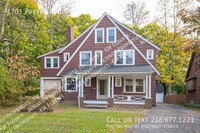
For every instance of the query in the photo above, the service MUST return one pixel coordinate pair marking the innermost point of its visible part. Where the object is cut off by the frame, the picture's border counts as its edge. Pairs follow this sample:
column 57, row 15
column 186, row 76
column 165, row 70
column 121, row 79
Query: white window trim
column 134, row 85
column 51, row 57
column 64, row 56
column 65, row 87
column 124, row 55
column 96, row 58
column 88, row 85
column 152, row 51
column 116, row 85
column 96, row 35
column 80, row 57
column 107, row 35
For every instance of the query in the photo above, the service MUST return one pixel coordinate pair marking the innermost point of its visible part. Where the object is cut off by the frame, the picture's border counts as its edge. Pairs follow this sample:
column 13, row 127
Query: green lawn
column 70, row 119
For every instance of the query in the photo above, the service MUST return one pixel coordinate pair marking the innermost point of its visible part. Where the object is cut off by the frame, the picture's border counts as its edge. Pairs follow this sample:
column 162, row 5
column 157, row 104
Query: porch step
column 95, row 104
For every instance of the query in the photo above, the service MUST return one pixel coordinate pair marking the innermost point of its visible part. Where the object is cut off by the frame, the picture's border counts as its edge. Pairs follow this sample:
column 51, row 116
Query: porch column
column 65, row 85
column 146, row 87
column 82, row 85
column 149, row 85
column 41, row 87
column 112, row 87
column 108, row 86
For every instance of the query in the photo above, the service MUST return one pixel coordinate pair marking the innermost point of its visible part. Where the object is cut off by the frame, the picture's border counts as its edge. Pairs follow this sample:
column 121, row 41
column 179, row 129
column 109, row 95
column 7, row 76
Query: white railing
column 129, row 98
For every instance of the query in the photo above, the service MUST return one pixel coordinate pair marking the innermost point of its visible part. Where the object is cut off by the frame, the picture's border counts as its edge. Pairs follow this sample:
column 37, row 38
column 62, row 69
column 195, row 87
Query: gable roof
column 115, row 22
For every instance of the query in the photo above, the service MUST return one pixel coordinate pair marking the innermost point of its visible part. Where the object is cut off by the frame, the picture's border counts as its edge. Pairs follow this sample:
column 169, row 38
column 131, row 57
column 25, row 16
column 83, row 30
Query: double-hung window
column 70, row 85
column 66, row 57
column 111, row 35
column 150, row 54
column 99, row 35
column 124, row 57
column 87, row 81
column 85, row 58
column 134, row 85
column 98, row 57
column 51, row 62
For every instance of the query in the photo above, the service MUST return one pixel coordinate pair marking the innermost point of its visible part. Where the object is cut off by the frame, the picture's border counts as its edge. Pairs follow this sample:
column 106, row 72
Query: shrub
column 38, row 104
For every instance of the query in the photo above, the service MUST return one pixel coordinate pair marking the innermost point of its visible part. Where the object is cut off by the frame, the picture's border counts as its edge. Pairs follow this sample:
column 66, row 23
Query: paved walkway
column 167, row 118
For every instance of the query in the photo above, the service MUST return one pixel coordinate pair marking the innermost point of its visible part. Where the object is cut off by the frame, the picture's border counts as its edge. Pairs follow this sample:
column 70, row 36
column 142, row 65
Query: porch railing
column 129, row 98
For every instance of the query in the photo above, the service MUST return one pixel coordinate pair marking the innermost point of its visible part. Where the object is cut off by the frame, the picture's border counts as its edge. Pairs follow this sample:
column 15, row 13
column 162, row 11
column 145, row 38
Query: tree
column 136, row 13
column 169, row 19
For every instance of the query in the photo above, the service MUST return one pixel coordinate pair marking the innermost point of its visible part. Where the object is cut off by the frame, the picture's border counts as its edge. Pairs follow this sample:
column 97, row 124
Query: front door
column 102, row 88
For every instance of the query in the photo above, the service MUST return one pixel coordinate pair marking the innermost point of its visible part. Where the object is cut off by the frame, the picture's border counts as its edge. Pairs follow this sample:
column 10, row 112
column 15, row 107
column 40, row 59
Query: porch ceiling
column 112, row 70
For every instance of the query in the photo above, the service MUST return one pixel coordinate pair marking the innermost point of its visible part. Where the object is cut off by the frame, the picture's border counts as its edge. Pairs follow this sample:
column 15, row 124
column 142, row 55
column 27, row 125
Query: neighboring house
column 107, row 65
column 193, row 79
column 159, row 93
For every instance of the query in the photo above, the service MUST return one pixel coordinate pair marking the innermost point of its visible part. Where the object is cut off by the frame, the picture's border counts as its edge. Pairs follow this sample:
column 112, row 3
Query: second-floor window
column 150, row 54
column 99, row 35
column 51, row 62
column 124, row 57
column 98, row 57
column 111, row 35
column 66, row 57
column 85, row 58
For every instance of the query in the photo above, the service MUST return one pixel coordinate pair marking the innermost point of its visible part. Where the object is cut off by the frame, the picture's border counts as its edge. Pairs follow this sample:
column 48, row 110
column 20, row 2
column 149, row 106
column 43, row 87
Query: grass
column 71, row 119
column 195, row 107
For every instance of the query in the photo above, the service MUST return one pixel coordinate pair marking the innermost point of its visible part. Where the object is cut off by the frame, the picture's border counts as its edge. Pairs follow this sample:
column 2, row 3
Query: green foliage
column 171, row 54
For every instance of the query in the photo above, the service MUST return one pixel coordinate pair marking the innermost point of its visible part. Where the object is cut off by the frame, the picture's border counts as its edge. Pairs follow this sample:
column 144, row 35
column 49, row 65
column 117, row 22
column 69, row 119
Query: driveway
column 167, row 118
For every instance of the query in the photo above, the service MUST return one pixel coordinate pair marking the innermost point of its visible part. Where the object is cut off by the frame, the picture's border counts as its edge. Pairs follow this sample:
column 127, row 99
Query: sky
column 115, row 8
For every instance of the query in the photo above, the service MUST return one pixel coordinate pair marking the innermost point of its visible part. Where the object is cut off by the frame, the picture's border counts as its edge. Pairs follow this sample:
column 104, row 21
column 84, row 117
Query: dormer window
column 99, row 35
column 150, row 54
column 111, row 35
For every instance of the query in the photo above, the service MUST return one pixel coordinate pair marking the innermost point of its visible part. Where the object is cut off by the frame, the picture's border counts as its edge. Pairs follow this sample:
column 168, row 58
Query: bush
column 192, row 105
column 38, row 104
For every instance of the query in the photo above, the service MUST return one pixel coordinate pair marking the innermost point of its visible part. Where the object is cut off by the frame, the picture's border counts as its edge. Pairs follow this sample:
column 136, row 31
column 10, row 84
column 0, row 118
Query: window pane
column 55, row 62
column 71, row 84
column 118, row 82
column 150, row 55
column 99, row 35
column 119, row 57
column 129, row 57
column 139, row 85
column 48, row 62
column 111, row 35
column 129, row 85
column 85, row 59
column 98, row 58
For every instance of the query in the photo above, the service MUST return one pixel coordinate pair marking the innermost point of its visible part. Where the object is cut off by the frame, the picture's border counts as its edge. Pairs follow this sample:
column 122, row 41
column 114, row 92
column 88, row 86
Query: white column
column 108, row 86
column 65, row 85
column 149, row 85
column 41, row 87
column 82, row 85
column 146, row 87
column 79, row 89
column 112, row 86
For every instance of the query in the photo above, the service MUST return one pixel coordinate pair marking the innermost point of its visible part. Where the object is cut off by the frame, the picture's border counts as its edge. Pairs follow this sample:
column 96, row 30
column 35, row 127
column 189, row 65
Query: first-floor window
column 118, row 81
column 71, row 84
column 51, row 62
column 87, row 81
column 129, row 85
column 133, row 85
column 139, row 85
column 85, row 58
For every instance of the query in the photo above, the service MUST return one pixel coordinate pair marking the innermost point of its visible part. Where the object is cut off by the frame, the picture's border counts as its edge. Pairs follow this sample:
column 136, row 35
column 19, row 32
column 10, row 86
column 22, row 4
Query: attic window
column 99, row 35
column 150, row 54
column 51, row 62
column 111, row 35
column 198, row 61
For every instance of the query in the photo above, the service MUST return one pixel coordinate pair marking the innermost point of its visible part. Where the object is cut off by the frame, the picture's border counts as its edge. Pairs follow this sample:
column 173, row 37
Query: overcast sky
column 114, row 8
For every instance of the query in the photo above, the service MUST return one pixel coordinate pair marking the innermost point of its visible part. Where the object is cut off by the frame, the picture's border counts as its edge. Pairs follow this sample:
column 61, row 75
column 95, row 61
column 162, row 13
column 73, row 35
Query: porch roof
column 112, row 69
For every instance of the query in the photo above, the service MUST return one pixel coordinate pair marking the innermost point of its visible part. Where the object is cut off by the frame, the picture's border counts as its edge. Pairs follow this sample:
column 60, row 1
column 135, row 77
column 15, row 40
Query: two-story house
column 107, row 65
column 193, row 79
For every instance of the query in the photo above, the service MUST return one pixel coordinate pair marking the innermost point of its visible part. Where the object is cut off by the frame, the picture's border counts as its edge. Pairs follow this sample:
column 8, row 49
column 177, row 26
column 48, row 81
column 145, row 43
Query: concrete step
column 95, row 106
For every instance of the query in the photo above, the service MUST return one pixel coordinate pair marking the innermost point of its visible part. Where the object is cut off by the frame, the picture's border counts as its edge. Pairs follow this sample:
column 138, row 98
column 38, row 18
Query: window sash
column 150, row 54
column 98, row 57
column 66, row 57
column 85, row 58
column 51, row 62
column 70, row 85
column 111, row 35
column 134, row 85
column 99, row 35
column 118, row 81
column 124, row 57
column 87, row 81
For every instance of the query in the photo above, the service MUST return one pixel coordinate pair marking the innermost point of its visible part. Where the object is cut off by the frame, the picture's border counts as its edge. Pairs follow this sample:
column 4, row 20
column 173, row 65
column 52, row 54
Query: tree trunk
column 3, row 19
